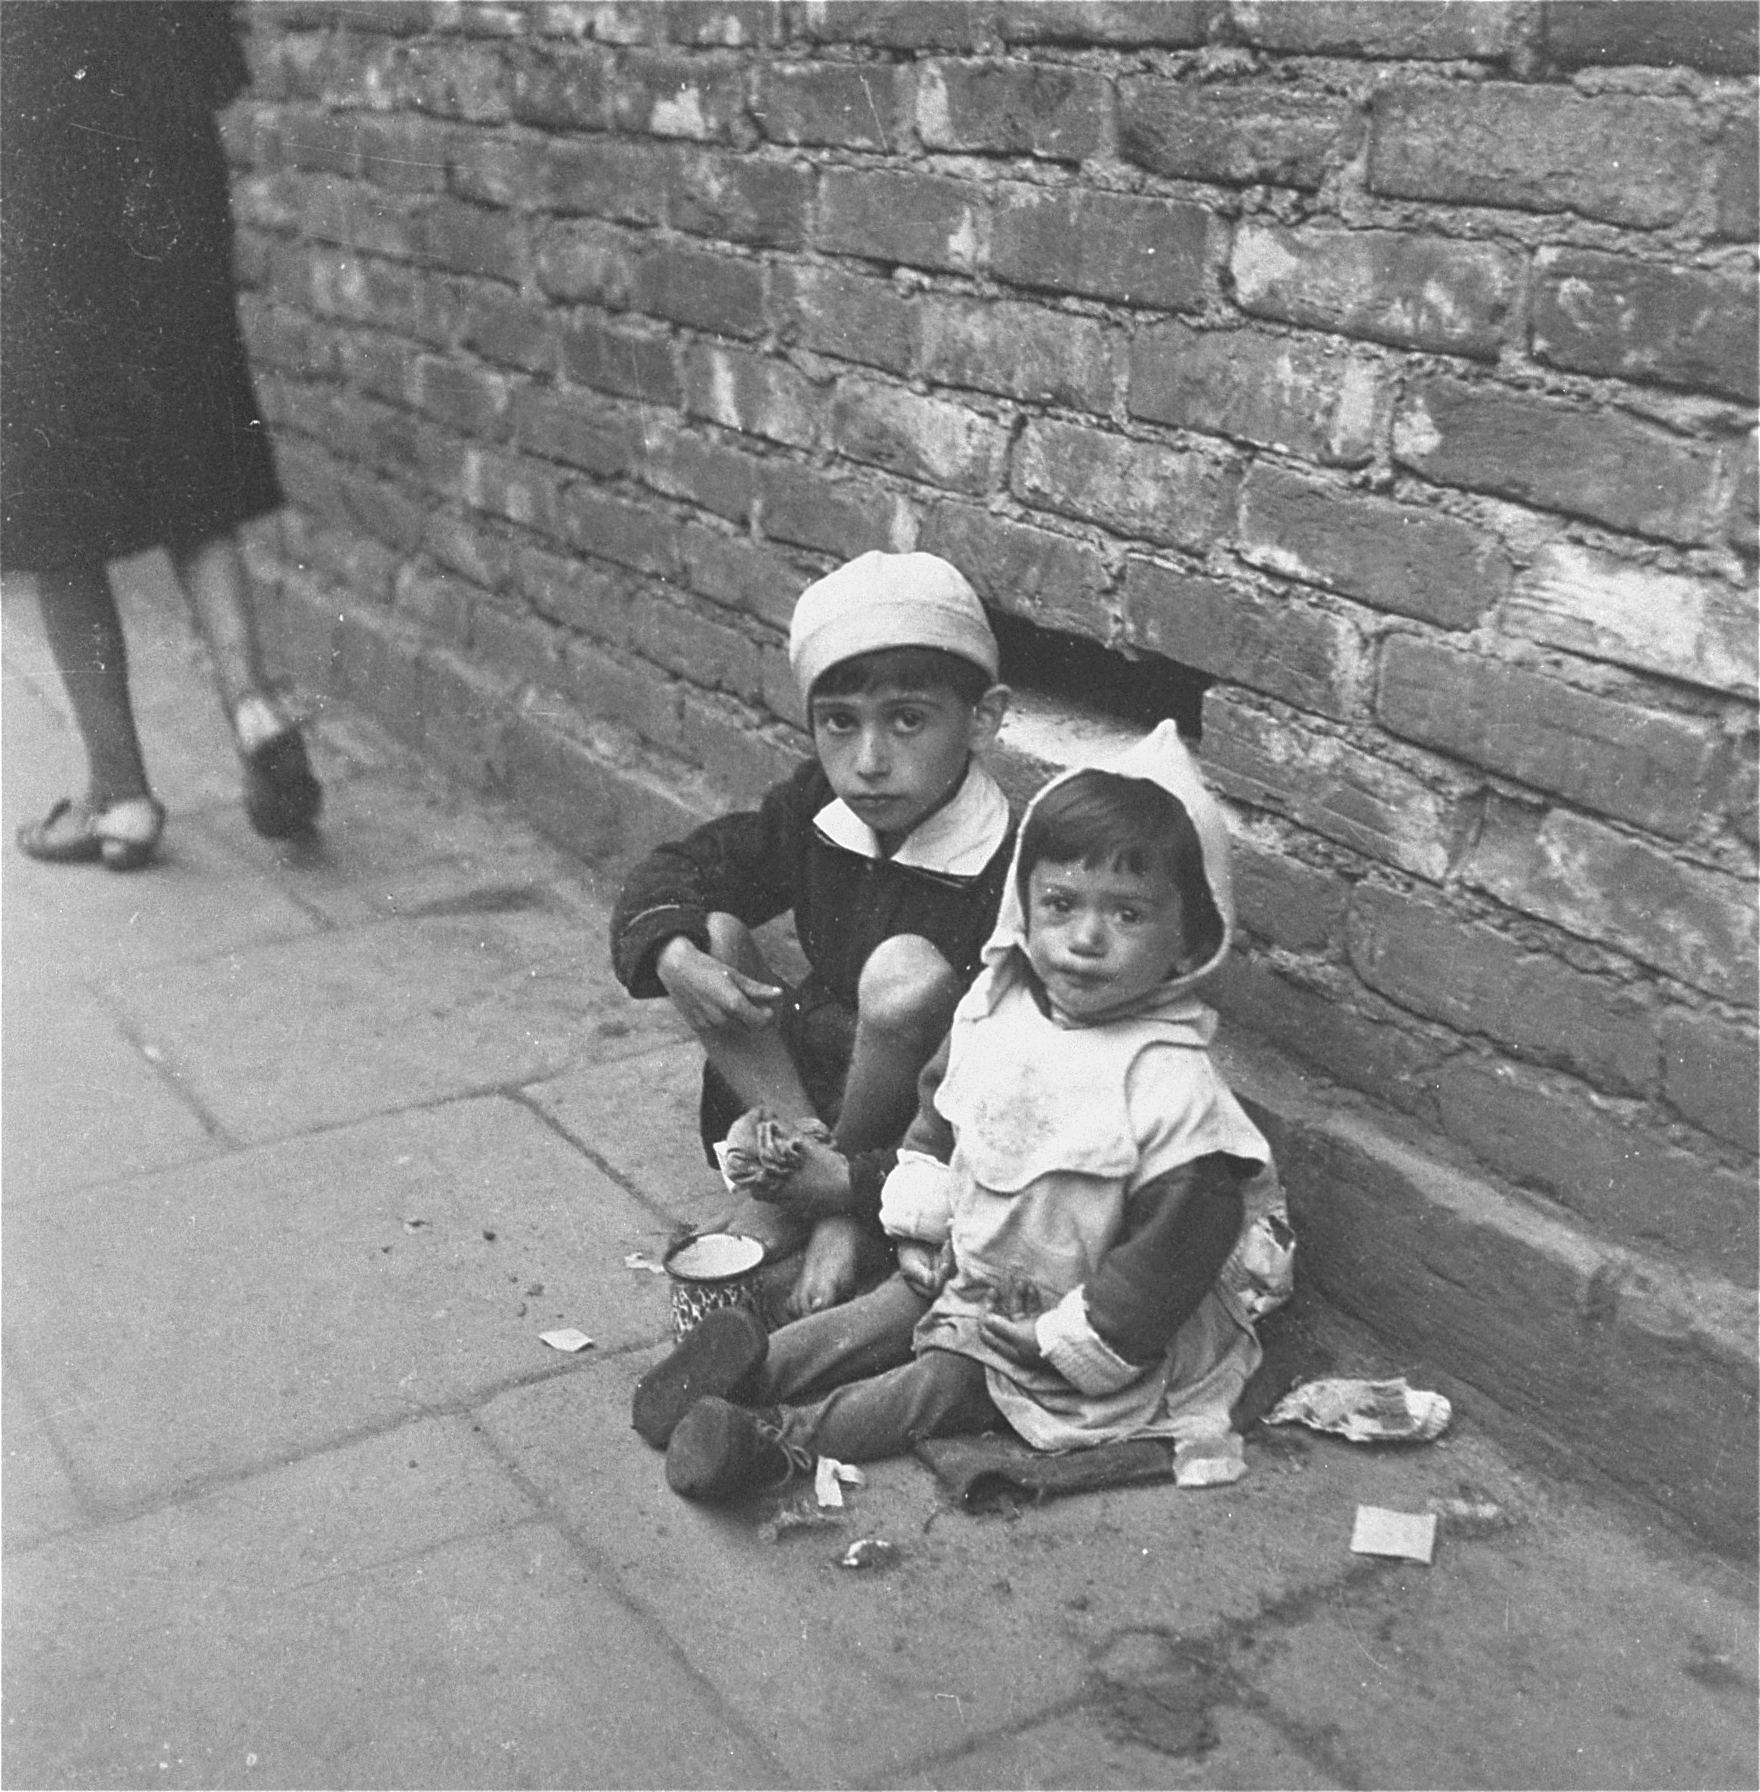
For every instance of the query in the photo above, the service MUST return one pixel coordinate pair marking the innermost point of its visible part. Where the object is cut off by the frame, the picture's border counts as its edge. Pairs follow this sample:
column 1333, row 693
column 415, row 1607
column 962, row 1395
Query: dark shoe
column 714, row 1358
column 281, row 796
column 723, row 1452
column 124, row 835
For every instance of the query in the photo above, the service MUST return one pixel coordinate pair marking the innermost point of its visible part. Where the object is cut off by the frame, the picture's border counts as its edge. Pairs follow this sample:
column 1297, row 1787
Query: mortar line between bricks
column 612, row 1583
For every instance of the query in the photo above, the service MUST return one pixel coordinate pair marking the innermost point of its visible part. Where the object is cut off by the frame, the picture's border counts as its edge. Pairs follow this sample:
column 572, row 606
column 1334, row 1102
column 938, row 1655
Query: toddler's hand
column 818, row 1186
column 710, row 995
column 1015, row 1339
column 926, row 1268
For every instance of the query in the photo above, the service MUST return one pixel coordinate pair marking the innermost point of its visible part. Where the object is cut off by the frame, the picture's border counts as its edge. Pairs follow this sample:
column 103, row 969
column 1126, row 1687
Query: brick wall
column 1386, row 370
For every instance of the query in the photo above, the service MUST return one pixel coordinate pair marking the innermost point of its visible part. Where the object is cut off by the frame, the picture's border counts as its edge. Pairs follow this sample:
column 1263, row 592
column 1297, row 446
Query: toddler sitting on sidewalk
column 890, row 848
column 1089, row 1223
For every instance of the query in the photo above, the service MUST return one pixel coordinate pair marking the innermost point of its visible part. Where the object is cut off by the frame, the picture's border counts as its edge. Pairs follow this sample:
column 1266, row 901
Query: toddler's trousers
column 850, row 1387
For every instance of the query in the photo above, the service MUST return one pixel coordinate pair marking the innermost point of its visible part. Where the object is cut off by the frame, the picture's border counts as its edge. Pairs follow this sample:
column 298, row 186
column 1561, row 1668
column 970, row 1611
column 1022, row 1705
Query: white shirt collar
column 958, row 840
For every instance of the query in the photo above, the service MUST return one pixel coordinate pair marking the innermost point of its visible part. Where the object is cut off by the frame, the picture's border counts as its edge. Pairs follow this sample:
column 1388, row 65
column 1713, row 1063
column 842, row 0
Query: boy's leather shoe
column 723, row 1452
column 716, row 1357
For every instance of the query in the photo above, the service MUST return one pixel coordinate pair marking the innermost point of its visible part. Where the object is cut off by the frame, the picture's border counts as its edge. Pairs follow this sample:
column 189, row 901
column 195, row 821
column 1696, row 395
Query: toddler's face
column 1101, row 938
column 893, row 754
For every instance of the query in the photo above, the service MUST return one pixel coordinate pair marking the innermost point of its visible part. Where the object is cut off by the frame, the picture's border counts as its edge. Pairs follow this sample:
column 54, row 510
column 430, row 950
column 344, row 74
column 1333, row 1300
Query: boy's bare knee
column 906, row 986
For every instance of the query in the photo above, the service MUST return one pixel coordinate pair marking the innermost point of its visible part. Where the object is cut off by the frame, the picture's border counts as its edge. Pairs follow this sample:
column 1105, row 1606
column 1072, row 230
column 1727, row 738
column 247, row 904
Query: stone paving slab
column 236, row 1313
column 326, row 1030
column 39, row 1496
column 391, row 1614
column 120, row 1116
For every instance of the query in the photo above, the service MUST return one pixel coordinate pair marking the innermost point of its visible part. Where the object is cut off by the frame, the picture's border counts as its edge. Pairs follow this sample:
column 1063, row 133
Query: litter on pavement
column 868, row 1552
column 641, row 1260
column 1409, row 1536
column 565, row 1339
column 830, row 1478
column 1365, row 1412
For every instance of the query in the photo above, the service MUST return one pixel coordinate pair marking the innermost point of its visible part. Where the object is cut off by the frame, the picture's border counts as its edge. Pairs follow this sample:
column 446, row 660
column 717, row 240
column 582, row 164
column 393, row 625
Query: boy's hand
column 1015, row 1339
column 925, row 1267
column 710, row 995
column 818, row 1186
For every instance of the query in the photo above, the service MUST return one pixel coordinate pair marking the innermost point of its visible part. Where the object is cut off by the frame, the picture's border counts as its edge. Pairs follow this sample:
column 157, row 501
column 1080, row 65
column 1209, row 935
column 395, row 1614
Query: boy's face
column 1101, row 938
column 895, row 753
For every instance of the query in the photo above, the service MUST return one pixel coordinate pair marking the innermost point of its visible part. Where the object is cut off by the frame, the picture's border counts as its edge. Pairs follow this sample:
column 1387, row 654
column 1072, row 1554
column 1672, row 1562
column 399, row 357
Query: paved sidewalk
column 304, row 1148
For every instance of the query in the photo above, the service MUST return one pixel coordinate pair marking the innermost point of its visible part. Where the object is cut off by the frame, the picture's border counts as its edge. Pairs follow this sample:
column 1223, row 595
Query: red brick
column 1600, row 464
column 1048, row 579
column 1544, row 1132
column 472, row 550
column 1416, row 29
column 742, row 574
column 513, row 330
column 440, row 604
column 809, row 509
column 1269, row 644
column 742, row 201
column 621, row 362
column 510, row 643
column 778, row 691
column 587, row 597
column 387, row 512
column 517, row 488
column 1285, row 902
column 684, row 465
column 577, row 430
column 752, row 393
column 588, row 263
column 921, row 220
column 323, row 143
column 628, row 691
column 1156, row 252
column 361, row 217
column 710, row 654
column 1738, row 180
column 726, row 738
column 1317, row 1022
column 1699, row 630
column 1623, row 158
column 1446, row 968
column 470, row 399
column 705, row 290
column 606, row 177
column 618, row 530
column 466, row 712
column 1018, row 351
column 1583, row 876
column 1692, row 327
column 668, row 94
column 1718, row 35
column 914, row 25
column 1304, row 397
column 468, row 239
column 1240, row 136
column 841, row 105
column 1135, row 488
column 1410, row 561
column 1711, row 1075
column 561, row 87
column 1173, row 24
column 498, row 171
column 1442, row 294
column 457, row 80
column 927, row 439
column 1012, row 108
column 731, row 23
column 848, row 315
column 408, row 300
column 376, row 664
column 1643, row 766
column 1268, row 760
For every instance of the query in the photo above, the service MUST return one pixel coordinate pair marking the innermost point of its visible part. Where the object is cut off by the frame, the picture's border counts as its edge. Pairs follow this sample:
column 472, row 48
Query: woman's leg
column 85, row 637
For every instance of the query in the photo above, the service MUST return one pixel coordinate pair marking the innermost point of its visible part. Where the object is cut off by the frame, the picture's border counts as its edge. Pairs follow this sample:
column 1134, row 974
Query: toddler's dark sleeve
column 1179, row 1230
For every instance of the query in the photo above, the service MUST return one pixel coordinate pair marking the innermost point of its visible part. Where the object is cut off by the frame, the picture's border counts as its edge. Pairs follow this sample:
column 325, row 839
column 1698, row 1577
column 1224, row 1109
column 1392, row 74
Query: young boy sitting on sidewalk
column 890, row 848
column 1108, row 1219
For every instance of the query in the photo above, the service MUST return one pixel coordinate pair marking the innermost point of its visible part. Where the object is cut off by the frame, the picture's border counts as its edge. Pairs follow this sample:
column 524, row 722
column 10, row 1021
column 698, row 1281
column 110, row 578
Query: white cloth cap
column 883, row 600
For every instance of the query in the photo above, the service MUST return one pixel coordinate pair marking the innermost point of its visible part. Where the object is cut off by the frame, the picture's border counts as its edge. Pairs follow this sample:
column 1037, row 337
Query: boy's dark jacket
column 758, row 864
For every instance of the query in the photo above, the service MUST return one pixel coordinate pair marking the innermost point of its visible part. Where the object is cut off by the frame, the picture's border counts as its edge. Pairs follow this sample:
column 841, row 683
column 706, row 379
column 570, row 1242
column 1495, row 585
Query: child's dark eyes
column 834, row 721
